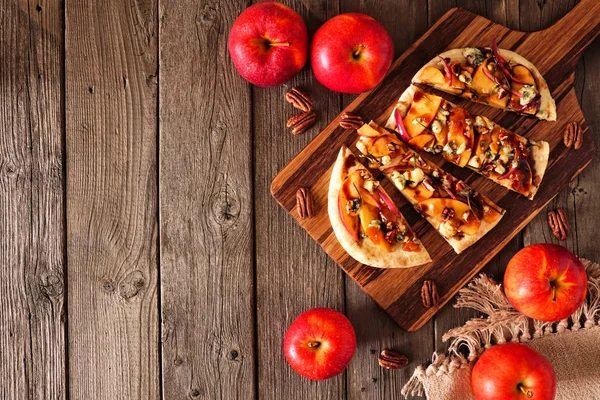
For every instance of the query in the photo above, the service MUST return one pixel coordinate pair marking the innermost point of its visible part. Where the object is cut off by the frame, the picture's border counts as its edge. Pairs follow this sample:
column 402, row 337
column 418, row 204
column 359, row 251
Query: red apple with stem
column 268, row 44
column 351, row 53
column 513, row 371
column 545, row 282
column 320, row 343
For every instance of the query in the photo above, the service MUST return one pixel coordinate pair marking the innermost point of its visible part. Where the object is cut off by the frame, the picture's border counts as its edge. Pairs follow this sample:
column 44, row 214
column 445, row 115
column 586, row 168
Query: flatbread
column 539, row 153
column 466, row 241
column 457, row 244
column 366, row 252
column 547, row 108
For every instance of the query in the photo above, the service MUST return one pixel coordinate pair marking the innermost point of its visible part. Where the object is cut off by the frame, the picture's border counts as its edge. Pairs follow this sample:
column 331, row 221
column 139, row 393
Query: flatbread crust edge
column 367, row 252
column 547, row 110
column 540, row 153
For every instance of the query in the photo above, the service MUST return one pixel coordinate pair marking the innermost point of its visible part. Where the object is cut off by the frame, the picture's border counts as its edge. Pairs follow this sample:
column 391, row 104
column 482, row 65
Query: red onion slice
column 448, row 71
column 400, row 125
column 389, row 203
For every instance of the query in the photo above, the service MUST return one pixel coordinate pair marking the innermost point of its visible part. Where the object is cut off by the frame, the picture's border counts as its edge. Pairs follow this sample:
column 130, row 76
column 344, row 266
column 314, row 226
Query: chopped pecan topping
column 392, row 146
column 351, row 121
column 429, row 294
column 391, row 236
column 391, row 359
column 301, row 122
column 299, row 99
column 364, row 173
column 447, row 213
column 304, row 203
column 558, row 223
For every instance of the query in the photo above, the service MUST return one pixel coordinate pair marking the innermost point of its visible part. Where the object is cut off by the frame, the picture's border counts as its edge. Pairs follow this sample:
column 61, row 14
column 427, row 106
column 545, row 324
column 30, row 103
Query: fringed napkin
column 571, row 345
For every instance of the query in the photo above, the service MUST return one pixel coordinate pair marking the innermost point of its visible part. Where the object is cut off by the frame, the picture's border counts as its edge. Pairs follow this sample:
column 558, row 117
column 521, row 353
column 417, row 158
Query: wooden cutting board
column 555, row 52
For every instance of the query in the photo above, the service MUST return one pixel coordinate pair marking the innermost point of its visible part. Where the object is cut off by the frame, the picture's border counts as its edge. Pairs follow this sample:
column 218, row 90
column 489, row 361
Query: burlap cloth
column 571, row 345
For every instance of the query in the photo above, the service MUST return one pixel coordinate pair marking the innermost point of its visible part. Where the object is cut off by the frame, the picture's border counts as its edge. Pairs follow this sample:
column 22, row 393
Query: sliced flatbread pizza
column 497, row 77
column 427, row 122
column 461, row 215
column 365, row 220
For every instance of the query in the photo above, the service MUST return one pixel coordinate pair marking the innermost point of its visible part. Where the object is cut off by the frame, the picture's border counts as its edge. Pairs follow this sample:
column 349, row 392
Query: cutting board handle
column 574, row 32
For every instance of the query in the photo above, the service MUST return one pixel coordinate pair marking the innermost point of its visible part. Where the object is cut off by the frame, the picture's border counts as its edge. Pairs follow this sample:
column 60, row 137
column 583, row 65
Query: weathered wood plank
column 375, row 330
column 450, row 317
column 32, row 360
column 586, row 192
column 536, row 16
column 111, row 142
column 206, row 236
column 292, row 273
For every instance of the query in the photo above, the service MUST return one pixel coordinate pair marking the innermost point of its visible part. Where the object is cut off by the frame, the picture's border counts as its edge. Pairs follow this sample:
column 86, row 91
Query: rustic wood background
column 141, row 254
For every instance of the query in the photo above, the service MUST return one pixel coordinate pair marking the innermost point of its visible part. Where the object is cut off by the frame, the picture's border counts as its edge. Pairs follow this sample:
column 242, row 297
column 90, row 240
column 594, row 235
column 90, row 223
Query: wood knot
column 208, row 15
column 194, row 393
column 8, row 168
column 226, row 208
column 233, row 355
column 108, row 286
column 51, row 284
column 177, row 361
column 131, row 285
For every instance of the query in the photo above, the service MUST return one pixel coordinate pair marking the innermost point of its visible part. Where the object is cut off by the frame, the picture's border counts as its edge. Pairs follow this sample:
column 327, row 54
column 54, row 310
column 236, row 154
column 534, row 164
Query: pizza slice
column 461, row 215
column 427, row 122
column 497, row 77
column 366, row 221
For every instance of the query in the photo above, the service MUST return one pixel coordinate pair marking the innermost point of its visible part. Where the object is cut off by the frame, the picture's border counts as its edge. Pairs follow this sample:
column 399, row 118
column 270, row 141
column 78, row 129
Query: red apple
column 513, row 371
column 268, row 44
column 351, row 53
column 319, row 343
column 545, row 282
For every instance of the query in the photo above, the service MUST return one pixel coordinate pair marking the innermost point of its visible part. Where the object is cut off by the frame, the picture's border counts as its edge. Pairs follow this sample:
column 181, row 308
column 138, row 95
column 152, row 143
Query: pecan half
column 429, row 294
column 304, row 203
column 558, row 223
column 301, row 122
column 573, row 136
column 299, row 99
column 351, row 121
column 391, row 359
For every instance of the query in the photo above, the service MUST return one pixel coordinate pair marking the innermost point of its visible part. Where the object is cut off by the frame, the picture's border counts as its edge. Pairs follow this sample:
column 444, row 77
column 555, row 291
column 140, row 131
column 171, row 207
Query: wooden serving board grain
column 555, row 52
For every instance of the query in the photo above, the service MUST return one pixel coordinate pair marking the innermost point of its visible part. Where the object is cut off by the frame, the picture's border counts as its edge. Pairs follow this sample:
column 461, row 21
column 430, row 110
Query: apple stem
column 528, row 393
column 314, row 345
column 553, row 288
column 358, row 50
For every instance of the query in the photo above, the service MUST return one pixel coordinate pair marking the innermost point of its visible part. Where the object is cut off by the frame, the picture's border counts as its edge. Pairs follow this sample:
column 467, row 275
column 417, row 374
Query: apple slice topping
column 421, row 114
column 367, row 211
column 461, row 137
